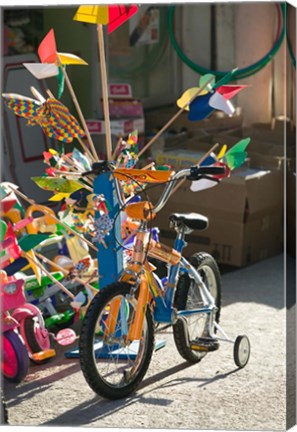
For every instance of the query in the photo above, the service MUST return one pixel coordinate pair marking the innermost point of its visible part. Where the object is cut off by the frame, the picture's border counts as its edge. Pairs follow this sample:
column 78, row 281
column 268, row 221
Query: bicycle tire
column 182, row 333
column 30, row 327
column 103, row 382
column 14, row 369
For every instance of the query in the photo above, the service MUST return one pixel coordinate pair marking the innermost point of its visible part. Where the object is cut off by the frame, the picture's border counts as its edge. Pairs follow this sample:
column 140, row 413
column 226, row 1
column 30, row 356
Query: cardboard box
column 218, row 121
column 125, row 108
column 232, row 243
column 245, row 215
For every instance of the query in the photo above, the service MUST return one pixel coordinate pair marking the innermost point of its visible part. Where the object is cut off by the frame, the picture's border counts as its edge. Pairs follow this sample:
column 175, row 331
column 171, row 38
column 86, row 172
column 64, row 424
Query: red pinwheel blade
column 119, row 14
column 47, row 50
column 229, row 91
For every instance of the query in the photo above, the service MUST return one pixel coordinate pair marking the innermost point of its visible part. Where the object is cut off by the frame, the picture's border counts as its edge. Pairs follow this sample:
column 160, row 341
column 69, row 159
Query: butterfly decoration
column 51, row 115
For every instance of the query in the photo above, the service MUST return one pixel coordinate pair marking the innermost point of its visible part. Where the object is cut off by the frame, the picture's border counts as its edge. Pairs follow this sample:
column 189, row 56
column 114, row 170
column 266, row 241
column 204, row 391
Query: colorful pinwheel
column 214, row 96
column 51, row 60
column 112, row 15
column 231, row 160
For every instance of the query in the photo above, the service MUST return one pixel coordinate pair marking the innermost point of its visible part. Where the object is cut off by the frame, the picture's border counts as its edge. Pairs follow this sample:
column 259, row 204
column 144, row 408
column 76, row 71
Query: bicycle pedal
column 42, row 355
column 204, row 344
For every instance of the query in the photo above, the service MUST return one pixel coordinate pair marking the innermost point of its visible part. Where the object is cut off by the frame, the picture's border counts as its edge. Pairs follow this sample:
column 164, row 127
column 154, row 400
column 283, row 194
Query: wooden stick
column 73, row 165
column 65, row 271
column 198, row 163
column 104, row 91
column 32, row 202
column 86, row 150
column 120, row 140
column 37, row 263
column 150, row 165
column 75, row 101
column 199, row 91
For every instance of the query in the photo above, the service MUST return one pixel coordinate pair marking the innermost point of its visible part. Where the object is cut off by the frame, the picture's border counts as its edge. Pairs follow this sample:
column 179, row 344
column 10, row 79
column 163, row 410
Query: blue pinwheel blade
column 200, row 108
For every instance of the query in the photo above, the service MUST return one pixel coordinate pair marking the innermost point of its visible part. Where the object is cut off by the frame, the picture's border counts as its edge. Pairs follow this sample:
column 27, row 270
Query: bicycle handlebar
column 192, row 173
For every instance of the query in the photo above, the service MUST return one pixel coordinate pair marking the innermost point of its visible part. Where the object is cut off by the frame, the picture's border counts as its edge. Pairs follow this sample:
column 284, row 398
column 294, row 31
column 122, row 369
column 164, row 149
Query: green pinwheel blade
column 235, row 160
column 30, row 241
column 57, row 184
column 236, row 156
column 31, row 282
column 240, row 146
column 204, row 78
column 3, row 192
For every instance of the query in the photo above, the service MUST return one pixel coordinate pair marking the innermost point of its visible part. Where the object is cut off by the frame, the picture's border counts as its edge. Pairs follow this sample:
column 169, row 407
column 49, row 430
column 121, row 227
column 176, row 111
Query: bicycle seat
column 192, row 221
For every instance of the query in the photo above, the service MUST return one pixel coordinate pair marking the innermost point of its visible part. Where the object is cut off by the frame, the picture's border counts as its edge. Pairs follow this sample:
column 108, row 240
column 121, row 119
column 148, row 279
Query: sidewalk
column 213, row 394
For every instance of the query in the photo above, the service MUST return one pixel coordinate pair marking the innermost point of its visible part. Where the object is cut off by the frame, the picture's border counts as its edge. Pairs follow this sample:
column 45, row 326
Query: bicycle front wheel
column 112, row 367
column 187, row 297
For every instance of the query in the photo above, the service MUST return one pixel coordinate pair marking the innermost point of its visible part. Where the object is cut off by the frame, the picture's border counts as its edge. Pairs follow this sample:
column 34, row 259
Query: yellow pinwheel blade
column 59, row 196
column 222, row 152
column 187, row 96
column 71, row 59
column 92, row 14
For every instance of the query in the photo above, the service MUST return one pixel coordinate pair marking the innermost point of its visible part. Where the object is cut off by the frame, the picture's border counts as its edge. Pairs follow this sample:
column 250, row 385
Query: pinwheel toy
column 214, row 96
column 52, row 61
column 230, row 159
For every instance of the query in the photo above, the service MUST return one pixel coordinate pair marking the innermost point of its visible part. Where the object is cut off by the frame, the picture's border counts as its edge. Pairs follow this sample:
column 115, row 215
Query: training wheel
column 241, row 351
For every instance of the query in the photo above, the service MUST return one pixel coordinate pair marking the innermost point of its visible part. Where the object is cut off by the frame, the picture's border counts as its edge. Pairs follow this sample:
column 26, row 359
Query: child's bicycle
column 117, row 334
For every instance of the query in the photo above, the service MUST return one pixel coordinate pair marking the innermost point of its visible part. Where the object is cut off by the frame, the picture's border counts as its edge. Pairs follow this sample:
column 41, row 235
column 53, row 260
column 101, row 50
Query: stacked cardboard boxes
column 245, row 215
column 245, row 211
column 126, row 115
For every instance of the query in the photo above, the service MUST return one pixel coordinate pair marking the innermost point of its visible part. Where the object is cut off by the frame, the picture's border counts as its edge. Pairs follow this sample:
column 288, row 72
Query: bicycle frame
column 139, row 272
column 142, row 278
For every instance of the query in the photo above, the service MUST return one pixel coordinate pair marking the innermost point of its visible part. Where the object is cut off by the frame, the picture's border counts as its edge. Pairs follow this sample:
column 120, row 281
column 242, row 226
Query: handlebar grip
column 200, row 171
column 211, row 170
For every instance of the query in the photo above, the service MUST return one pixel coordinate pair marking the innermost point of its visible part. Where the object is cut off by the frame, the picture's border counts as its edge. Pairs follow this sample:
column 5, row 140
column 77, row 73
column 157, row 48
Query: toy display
column 103, row 236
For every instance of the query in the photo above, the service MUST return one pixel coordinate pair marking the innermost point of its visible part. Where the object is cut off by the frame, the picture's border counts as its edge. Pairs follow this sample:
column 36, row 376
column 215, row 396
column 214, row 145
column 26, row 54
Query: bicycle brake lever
column 99, row 168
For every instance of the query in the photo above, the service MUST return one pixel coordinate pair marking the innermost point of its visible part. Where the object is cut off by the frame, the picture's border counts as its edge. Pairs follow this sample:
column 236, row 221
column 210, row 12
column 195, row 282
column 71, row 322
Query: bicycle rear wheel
column 188, row 297
column 112, row 367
